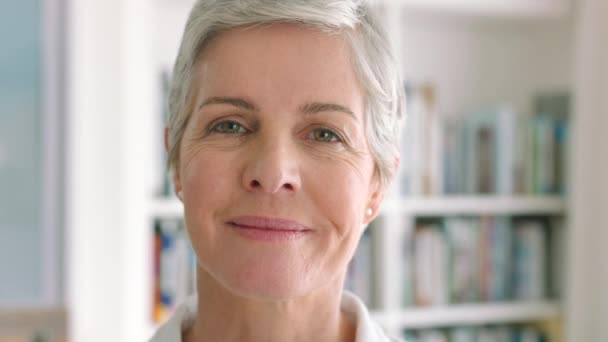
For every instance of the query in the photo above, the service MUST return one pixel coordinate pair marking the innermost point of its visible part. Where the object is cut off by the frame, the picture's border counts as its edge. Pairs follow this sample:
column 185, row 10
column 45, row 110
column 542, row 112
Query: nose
column 272, row 167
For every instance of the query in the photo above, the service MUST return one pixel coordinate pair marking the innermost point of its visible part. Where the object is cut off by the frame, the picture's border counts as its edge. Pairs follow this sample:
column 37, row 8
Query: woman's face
column 274, row 165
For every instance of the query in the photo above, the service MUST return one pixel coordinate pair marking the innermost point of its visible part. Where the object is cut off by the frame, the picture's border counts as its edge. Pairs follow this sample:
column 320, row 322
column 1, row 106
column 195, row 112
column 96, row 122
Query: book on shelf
column 546, row 168
column 433, row 335
column 492, row 333
column 462, row 334
column 557, row 237
column 490, row 151
column 407, row 268
column 430, row 264
column 174, row 267
column 487, row 152
column 495, row 247
column 462, row 238
column 495, row 334
column 421, row 143
column 555, row 107
column 480, row 259
column 529, row 257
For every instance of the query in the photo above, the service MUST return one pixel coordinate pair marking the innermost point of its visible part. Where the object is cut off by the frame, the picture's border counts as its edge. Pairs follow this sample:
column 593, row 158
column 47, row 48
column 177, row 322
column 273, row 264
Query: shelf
column 500, row 8
column 428, row 206
column 470, row 314
column 166, row 208
column 476, row 205
column 34, row 320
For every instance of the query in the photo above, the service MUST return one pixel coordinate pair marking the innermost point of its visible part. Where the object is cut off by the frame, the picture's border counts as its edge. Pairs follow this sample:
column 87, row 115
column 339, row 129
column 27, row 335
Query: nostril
column 289, row 186
column 255, row 183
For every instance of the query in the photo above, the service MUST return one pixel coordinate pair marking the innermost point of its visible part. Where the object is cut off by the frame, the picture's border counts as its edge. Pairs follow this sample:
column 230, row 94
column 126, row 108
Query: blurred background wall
column 30, row 156
column 21, row 154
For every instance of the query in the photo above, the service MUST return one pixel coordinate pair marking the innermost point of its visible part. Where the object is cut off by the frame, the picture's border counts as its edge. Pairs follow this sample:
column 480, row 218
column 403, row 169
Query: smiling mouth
column 268, row 229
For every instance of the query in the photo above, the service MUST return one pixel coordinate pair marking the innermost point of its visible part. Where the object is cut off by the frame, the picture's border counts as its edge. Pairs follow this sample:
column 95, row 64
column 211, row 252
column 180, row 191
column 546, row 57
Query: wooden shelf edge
column 428, row 206
column 476, row 205
column 165, row 208
column 469, row 314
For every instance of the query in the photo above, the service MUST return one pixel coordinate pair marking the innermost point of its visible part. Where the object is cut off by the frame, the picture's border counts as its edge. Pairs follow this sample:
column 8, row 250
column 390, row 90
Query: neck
column 225, row 316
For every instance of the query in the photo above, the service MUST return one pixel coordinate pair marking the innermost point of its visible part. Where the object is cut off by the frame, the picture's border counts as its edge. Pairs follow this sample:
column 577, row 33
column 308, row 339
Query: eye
column 324, row 135
column 229, row 127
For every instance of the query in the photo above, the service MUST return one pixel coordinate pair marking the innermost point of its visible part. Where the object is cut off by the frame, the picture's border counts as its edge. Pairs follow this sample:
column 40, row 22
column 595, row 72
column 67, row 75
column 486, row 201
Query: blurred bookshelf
column 472, row 68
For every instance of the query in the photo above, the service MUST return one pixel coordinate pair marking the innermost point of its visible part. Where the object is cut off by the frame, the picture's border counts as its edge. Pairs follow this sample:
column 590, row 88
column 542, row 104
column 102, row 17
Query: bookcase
column 477, row 55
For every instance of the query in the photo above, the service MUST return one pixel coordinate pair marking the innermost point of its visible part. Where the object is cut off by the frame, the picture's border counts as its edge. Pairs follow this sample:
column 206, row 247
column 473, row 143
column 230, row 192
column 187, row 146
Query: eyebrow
column 309, row 108
column 233, row 101
column 318, row 107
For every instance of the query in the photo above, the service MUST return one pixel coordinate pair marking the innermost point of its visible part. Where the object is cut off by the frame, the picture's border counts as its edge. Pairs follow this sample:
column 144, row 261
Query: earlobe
column 374, row 205
column 372, row 211
column 378, row 194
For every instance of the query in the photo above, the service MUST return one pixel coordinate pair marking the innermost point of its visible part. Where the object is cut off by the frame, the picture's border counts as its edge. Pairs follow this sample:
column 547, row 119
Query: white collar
column 184, row 315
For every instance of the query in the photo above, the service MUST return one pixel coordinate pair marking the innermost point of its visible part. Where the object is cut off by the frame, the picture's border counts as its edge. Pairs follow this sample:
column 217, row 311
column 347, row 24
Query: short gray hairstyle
column 374, row 62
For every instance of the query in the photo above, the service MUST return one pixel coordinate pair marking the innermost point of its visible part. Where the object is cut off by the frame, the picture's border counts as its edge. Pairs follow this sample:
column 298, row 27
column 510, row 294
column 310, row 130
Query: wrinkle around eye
column 334, row 150
column 355, row 159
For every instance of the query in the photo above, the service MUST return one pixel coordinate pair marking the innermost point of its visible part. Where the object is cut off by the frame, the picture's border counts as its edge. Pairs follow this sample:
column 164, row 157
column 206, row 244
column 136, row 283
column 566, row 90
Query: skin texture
column 277, row 131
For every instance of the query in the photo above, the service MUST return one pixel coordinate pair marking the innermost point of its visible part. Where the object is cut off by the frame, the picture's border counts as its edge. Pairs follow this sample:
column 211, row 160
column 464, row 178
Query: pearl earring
column 369, row 212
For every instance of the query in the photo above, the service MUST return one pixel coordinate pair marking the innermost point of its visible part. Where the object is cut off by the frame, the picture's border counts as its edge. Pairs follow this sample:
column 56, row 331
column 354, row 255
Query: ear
column 377, row 194
column 177, row 185
column 375, row 199
column 374, row 204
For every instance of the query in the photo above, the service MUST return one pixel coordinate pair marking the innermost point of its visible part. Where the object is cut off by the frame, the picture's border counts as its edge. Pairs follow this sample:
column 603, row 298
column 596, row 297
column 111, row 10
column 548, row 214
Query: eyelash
column 336, row 138
column 214, row 127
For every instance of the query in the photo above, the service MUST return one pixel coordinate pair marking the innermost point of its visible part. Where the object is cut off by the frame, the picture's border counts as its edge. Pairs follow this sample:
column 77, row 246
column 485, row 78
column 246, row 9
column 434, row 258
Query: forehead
column 280, row 62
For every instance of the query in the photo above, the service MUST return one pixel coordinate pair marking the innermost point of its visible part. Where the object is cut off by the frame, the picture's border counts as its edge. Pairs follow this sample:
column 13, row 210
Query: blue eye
column 229, row 127
column 325, row 135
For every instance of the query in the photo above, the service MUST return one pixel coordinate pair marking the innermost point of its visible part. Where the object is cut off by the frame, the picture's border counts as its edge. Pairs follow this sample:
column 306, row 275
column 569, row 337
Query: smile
column 268, row 229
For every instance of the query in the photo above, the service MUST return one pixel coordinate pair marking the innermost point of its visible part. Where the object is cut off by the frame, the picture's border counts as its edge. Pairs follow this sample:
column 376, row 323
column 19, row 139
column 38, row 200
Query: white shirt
column 367, row 329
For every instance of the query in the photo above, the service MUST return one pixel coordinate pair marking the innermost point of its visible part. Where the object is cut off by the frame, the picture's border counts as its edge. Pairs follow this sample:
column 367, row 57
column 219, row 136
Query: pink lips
column 268, row 229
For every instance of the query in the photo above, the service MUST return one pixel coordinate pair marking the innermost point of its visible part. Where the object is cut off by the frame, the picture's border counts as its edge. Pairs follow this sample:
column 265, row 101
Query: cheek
column 339, row 191
column 340, row 187
column 207, row 182
column 205, row 177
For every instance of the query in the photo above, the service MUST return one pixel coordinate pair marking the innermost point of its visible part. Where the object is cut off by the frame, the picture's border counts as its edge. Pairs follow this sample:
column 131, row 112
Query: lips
column 259, row 222
column 268, row 229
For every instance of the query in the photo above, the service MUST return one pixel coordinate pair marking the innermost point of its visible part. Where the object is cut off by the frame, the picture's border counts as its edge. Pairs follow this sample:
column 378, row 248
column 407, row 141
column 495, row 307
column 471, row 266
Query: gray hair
column 375, row 65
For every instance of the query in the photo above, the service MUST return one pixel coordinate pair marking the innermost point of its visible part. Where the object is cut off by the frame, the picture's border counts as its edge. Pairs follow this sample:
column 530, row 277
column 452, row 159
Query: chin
column 268, row 285
column 272, row 289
